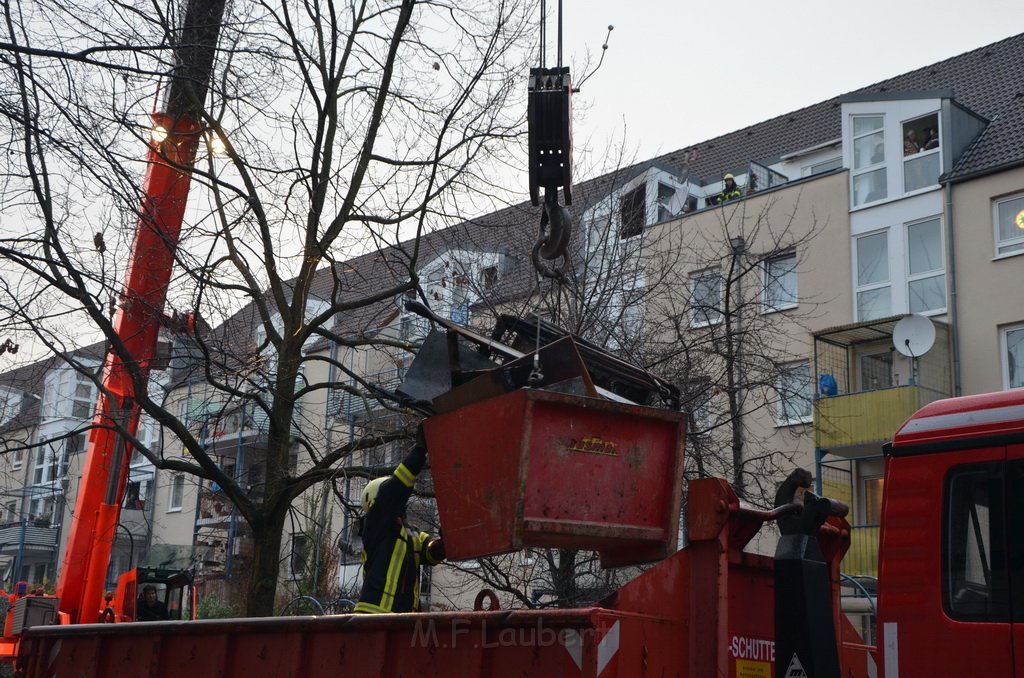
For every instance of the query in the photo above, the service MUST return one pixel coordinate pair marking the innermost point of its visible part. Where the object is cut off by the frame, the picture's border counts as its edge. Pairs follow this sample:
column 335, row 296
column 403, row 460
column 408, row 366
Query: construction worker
column 393, row 552
column 730, row 192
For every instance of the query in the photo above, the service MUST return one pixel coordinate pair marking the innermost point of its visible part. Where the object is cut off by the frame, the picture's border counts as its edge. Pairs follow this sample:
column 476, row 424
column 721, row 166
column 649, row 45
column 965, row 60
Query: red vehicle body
column 951, row 571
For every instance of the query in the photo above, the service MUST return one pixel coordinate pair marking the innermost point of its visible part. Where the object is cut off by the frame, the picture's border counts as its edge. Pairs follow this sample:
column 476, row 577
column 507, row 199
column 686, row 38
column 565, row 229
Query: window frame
column 920, row 154
column 934, row 273
column 633, row 204
column 998, row 244
column 993, row 473
column 49, row 464
column 766, row 277
column 857, row 172
column 1004, row 355
column 663, row 204
column 176, row 487
column 828, row 165
column 781, row 391
column 301, row 553
column 871, row 287
column 693, row 310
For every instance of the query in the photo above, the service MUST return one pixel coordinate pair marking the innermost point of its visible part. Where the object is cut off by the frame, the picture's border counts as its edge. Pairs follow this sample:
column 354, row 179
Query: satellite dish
column 914, row 335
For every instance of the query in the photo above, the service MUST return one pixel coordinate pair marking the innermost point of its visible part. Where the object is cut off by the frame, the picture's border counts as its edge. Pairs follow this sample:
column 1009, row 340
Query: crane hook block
column 549, row 116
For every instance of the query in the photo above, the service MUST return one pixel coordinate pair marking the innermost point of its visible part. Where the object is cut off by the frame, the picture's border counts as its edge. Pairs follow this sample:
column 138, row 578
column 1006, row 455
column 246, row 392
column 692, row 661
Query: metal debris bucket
column 535, row 468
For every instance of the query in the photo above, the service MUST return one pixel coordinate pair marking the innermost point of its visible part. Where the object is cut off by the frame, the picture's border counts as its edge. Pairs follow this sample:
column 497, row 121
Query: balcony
column 26, row 536
column 867, row 417
column 214, row 508
column 866, row 389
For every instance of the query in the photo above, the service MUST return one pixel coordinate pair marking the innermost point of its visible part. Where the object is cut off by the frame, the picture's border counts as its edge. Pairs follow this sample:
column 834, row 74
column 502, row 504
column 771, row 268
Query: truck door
column 944, row 606
column 1015, row 549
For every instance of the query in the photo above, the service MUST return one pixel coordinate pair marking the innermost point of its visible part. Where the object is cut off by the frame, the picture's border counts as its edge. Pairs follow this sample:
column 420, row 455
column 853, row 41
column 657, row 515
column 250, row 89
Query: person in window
column 932, row 138
column 878, row 155
column 910, row 145
column 393, row 551
column 730, row 192
column 151, row 608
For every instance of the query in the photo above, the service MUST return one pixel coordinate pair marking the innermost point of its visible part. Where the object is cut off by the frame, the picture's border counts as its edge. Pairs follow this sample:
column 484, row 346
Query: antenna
column 914, row 335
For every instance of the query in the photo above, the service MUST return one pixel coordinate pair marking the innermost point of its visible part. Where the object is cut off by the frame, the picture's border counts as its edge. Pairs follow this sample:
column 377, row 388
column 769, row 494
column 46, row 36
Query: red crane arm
column 137, row 324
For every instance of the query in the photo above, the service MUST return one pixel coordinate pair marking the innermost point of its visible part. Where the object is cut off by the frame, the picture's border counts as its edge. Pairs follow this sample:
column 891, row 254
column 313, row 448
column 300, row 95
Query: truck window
column 974, row 562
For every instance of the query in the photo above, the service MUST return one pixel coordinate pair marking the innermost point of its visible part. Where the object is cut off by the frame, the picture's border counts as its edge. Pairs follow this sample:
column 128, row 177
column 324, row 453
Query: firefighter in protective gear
column 394, row 552
column 731, row 190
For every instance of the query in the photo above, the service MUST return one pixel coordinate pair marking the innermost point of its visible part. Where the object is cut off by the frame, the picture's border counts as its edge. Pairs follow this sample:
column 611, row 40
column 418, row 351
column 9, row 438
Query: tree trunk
column 266, row 562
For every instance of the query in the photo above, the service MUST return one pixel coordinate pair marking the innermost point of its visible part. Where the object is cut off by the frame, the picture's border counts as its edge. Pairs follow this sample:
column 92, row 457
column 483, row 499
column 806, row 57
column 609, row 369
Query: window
column 633, row 212
column 137, row 492
column 49, row 463
column 41, row 510
column 1012, row 341
column 780, row 283
column 705, row 298
column 75, row 444
column 827, row 166
column 10, row 404
column 69, row 394
column 869, row 175
column 83, row 397
column 18, row 460
column 11, row 511
column 974, row 569
column 921, row 165
column 1009, row 219
column 926, row 268
column 177, row 493
column 873, row 500
column 873, row 292
column 299, row 560
column 793, row 386
column 489, row 277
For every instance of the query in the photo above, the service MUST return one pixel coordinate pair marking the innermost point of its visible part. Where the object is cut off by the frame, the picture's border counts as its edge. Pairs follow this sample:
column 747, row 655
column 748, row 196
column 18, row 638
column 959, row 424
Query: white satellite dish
column 914, row 335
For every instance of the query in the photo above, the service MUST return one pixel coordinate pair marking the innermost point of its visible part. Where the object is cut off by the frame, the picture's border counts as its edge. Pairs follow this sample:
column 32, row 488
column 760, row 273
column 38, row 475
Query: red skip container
column 541, row 469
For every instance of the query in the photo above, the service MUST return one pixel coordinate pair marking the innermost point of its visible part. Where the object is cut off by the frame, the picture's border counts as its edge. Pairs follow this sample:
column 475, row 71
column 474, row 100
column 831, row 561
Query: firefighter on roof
column 731, row 190
column 393, row 552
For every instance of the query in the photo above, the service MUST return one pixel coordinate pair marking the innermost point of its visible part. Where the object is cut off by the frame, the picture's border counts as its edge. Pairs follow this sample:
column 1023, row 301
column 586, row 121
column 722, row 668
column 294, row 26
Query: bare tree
column 734, row 336
column 331, row 130
column 706, row 301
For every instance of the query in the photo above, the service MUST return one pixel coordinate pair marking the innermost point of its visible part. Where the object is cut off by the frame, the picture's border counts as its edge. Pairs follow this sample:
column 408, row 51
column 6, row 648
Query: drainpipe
column 954, row 324
column 19, row 559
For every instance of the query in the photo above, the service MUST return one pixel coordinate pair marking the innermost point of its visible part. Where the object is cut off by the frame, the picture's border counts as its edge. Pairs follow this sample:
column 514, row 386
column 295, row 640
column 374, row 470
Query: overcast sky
column 677, row 73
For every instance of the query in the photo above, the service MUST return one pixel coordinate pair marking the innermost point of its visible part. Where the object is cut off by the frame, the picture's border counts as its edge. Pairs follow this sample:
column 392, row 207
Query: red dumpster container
column 545, row 469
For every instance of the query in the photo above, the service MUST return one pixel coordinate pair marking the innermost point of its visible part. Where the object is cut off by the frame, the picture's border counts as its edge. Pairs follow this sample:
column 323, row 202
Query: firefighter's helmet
column 369, row 495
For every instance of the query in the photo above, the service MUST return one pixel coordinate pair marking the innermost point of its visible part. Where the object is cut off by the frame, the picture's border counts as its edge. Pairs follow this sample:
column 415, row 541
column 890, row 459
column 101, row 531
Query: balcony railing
column 342, row 403
column 862, row 558
column 15, row 536
column 866, row 417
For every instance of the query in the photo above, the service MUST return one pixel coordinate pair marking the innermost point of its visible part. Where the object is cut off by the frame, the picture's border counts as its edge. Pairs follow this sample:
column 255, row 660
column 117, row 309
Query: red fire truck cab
column 951, row 554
